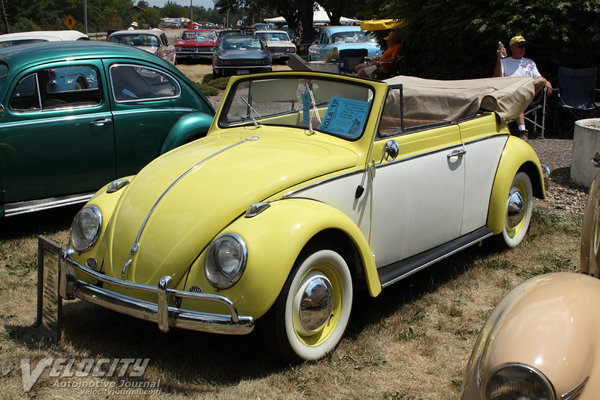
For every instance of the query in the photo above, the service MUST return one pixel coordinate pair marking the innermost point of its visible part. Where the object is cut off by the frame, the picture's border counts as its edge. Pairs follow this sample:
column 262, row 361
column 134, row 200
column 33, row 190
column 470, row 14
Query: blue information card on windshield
column 345, row 117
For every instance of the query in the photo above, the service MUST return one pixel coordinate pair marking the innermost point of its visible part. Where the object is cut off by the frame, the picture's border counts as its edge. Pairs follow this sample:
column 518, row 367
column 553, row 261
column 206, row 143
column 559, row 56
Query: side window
column 25, row 97
column 59, row 87
column 136, row 83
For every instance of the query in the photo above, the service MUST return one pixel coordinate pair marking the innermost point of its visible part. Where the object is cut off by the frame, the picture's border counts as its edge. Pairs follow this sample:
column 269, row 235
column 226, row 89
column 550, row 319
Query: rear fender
column 517, row 156
column 190, row 126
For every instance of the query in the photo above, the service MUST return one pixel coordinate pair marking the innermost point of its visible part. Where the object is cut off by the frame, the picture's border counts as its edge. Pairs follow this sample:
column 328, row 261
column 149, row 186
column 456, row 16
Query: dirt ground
column 196, row 71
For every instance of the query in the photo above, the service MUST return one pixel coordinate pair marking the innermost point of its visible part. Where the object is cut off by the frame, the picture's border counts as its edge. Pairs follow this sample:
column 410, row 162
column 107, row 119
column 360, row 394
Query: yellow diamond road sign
column 69, row 22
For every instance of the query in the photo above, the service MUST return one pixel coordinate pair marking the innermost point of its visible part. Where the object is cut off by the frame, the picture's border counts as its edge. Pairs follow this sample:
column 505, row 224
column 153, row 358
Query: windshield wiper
column 251, row 110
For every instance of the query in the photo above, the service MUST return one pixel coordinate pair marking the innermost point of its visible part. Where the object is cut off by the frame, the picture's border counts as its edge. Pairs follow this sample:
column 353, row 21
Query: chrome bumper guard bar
column 161, row 313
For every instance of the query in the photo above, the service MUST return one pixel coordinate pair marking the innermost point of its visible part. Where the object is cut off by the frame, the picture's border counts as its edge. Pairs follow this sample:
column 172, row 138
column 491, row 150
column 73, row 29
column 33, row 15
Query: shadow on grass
column 37, row 223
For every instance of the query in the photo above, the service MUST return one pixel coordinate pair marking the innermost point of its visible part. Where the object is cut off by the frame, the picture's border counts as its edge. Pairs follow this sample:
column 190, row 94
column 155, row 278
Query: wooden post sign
column 49, row 302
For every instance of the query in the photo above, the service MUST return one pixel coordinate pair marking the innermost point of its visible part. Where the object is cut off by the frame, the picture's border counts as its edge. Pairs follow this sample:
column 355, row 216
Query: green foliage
column 455, row 39
column 207, row 89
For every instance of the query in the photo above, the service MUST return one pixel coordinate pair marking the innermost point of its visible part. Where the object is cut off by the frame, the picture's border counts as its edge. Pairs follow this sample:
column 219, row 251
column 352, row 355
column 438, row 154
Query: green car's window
column 55, row 88
column 331, row 106
column 132, row 83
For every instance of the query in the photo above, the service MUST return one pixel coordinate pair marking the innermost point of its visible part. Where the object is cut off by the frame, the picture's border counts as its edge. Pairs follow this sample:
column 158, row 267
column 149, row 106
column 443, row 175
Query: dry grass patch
column 411, row 342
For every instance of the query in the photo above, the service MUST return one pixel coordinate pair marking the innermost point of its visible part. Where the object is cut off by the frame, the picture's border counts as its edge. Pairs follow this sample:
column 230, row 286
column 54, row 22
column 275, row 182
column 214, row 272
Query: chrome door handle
column 101, row 122
column 457, row 153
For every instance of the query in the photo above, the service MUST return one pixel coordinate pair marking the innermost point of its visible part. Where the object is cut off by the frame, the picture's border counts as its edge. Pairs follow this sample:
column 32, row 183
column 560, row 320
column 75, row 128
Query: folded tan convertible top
column 456, row 99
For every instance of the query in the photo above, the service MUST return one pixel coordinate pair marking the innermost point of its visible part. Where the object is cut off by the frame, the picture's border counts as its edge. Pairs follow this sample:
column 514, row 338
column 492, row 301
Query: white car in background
column 278, row 43
column 13, row 39
column 152, row 40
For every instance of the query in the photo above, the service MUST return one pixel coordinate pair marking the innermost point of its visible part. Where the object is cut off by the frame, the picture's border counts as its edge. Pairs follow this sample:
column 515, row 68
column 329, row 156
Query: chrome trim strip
column 576, row 391
column 154, row 312
column 57, row 119
column 459, row 145
column 23, row 207
column 153, row 110
column 322, row 182
column 193, row 168
column 427, row 264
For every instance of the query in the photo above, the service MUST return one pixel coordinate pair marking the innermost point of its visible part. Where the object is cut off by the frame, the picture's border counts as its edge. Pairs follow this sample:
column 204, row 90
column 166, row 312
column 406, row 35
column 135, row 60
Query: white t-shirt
column 519, row 67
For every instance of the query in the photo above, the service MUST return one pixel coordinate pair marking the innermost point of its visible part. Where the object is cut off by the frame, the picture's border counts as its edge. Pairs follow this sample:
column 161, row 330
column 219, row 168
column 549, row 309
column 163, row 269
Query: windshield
column 135, row 40
column 240, row 43
column 273, row 36
column 352, row 37
column 199, row 36
column 338, row 108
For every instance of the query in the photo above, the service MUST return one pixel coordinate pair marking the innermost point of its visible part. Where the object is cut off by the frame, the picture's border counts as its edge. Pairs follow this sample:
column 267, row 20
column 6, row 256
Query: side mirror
column 391, row 150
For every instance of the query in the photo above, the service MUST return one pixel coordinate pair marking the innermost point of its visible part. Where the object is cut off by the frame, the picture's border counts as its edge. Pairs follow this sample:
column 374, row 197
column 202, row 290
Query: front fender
column 550, row 323
column 274, row 240
column 517, row 156
column 190, row 126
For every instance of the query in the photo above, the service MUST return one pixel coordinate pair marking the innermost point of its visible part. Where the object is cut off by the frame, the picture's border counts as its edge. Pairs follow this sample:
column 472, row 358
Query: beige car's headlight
column 85, row 228
column 225, row 260
column 518, row 381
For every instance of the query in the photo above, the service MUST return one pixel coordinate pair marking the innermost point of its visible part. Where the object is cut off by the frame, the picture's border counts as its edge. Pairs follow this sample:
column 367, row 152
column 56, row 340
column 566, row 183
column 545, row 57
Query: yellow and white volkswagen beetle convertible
column 307, row 188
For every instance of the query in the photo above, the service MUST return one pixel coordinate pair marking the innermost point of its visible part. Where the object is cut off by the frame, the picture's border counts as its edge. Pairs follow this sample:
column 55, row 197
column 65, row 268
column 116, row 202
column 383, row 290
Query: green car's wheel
column 518, row 210
column 313, row 309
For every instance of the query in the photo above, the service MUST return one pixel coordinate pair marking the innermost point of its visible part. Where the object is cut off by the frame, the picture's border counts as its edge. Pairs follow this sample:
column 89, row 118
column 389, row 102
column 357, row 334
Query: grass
column 212, row 87
column 411, row 342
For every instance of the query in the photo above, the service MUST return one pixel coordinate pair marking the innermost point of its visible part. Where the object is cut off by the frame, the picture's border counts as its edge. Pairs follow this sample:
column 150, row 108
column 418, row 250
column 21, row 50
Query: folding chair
column 577, row 89
column 537, row 111
column 350, row 58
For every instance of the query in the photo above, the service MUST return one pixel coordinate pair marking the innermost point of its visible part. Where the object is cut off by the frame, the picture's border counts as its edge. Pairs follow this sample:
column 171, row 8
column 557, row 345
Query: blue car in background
column 343, row 37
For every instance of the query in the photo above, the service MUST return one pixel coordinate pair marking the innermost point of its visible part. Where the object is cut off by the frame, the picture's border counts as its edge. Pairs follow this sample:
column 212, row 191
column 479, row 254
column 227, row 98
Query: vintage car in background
column 76, row 115
column 309, row 187
column 342, row 38
column 278, row 43
column 228, row 32
column 13, row 39
column 152, row 40
column 241, row 55
column 196, row 44
column 539, row 343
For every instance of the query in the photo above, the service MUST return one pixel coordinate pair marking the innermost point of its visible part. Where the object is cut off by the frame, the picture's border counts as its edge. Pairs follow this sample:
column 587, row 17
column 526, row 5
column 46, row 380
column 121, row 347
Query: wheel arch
column 517, row 156
column 191, row 126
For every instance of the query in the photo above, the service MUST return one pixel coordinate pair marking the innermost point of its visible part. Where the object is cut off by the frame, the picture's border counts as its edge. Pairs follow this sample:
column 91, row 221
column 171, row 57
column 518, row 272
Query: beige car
column 540, row 340
column 152, row 40
column 13, row 39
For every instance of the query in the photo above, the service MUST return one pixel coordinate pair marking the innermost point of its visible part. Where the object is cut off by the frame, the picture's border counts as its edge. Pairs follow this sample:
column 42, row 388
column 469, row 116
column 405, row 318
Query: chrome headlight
column 225, row 260
column 85, row 228
column 518, row 381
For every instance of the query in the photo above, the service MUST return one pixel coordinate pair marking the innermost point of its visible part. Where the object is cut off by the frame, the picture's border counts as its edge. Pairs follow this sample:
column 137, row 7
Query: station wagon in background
column 278, row 43
column 76, row 115
column 342, row 38
column 12, row 39
column 152, row 40
column 196, row 44
column 309, row 187
column 241, row 55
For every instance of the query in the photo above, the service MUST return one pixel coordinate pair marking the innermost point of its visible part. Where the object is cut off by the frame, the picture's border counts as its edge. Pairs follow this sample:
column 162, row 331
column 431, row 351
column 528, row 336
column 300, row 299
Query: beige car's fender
column 590, row 232
column 549, row 323
column 517, row 156
column 274, row 239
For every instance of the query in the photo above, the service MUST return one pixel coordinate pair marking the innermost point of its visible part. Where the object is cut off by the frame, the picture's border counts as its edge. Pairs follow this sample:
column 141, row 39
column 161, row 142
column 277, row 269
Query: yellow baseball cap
column 517, row 39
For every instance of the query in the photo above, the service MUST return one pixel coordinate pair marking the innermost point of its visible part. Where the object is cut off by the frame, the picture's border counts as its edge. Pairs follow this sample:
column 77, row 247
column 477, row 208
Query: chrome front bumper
column 164, row 315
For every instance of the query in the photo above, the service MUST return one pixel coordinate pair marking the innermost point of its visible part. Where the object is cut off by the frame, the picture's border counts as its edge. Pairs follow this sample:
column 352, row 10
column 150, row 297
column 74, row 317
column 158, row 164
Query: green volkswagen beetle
column 74, row 116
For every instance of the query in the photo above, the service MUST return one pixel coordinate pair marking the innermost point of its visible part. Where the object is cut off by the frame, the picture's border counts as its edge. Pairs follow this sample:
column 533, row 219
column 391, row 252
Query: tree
column 457, row 39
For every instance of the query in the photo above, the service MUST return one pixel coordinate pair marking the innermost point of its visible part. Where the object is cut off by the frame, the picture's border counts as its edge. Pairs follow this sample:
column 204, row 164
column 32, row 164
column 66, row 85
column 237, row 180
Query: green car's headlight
column 86, row 228
column 225, row 260
column 518, row 381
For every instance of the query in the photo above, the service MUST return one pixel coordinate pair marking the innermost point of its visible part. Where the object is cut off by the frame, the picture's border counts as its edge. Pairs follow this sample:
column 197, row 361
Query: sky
column 186, row 3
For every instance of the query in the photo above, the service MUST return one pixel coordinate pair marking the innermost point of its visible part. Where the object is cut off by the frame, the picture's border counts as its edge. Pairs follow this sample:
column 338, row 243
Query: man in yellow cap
column 518, row 65
column 387, row 63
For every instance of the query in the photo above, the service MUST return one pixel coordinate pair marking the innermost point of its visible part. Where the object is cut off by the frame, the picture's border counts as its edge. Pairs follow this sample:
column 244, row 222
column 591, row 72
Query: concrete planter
column 586, row 142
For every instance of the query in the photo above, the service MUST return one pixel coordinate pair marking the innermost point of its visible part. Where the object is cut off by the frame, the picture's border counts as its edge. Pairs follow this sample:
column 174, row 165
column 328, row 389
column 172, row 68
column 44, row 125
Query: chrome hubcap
column 315, row 303
column 515, row 210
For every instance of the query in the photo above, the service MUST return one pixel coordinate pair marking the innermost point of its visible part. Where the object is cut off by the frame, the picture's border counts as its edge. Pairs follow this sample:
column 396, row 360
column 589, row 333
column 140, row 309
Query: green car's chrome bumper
column 161, row 313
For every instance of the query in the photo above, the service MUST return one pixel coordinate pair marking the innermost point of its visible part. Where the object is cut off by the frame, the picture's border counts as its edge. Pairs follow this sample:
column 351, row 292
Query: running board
column 399, row 270
column 23, row 207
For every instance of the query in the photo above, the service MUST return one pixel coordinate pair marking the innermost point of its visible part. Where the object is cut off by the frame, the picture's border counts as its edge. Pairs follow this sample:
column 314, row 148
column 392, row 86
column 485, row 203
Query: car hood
column 149, row 49
column 177, row 204
column 195, row 43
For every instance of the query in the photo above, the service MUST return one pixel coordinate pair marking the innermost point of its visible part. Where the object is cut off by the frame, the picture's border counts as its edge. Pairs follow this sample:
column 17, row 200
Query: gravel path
column 563, row 196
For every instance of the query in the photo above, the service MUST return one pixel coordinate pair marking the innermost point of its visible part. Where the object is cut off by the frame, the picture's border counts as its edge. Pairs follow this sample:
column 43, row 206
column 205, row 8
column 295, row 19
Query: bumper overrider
column 70, row 287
